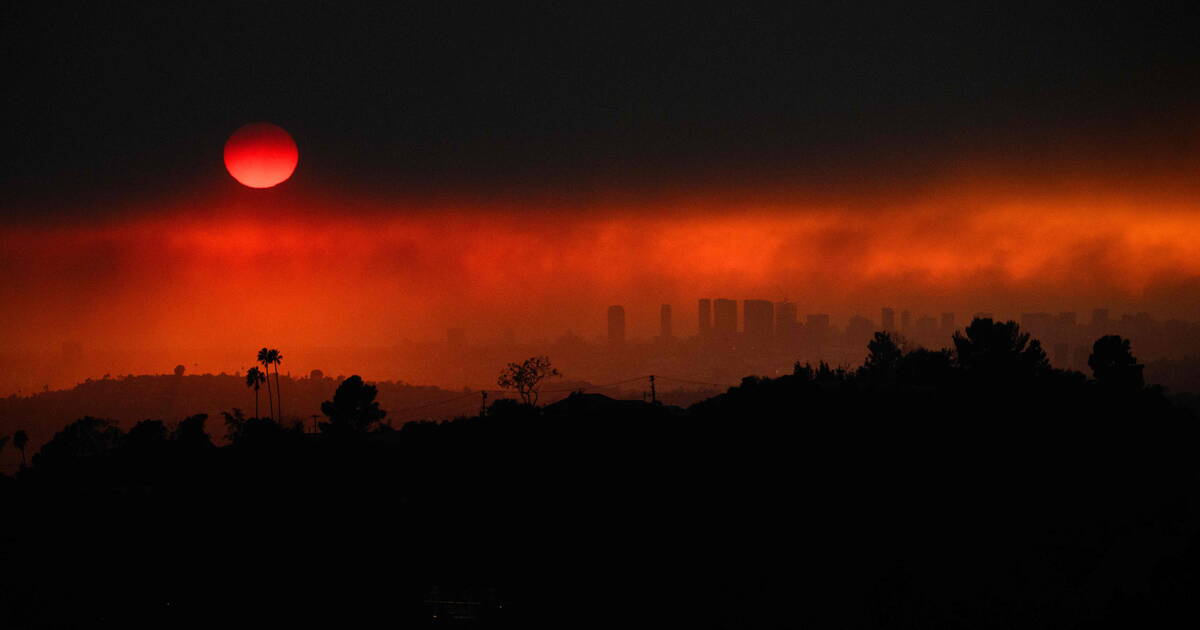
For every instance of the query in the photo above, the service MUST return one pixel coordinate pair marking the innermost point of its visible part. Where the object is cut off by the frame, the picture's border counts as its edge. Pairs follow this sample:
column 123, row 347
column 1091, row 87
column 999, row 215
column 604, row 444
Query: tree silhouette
column 180, row 369
column 991, row 350
column 1114, row 366
column 20, row 440
column 526, row 377
column 254, row 378
column 275, row 357
column 86, row 437
column 883, row 357
column 147, row 434
column 264, row 357
column 353, row 409
column 190, row 432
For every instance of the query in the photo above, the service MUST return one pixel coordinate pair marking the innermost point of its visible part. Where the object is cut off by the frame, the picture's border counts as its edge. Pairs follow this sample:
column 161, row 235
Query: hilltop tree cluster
column 963, row 487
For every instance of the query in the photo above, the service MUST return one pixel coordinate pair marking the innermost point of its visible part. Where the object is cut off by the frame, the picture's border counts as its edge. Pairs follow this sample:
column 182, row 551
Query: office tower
column 905, row 322
column 1039, row 325
column 759, row 317
column 664, row 321
column 947, row 325
column 888, row 319
column 705, row 317
column 859, row 331
column 616, row 325
column 817, row 333
column 725, row 318
column 785, row 321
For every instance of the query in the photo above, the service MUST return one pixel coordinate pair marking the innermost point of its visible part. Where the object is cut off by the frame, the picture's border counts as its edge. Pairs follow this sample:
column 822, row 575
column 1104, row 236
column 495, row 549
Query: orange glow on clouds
column 236, row 275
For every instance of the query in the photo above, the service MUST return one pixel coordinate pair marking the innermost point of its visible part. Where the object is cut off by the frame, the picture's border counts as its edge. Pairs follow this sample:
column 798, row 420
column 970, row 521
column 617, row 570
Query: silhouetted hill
column 130, row 399
column 977, row 487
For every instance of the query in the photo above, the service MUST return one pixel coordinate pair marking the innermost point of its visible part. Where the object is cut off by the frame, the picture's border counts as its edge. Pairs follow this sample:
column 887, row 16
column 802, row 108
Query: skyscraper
column 759, row 317
column 905, row 322
column 785, row 321
column 616, row 325
column 887, row 319
column 664, row 321
column 725, row 318
column 705, row 317
column 947, row 326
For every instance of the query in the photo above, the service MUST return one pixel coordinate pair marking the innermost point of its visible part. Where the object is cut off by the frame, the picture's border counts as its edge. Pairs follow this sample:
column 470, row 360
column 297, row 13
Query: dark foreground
column 916, row 494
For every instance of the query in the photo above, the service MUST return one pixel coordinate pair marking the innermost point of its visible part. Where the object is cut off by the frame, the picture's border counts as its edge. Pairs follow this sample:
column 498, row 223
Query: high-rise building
column 725, row 318
column 759, row 317
column 616, row 325
column 1100, row 319
column 664, row 321
column 705, row 317
column 887, row 319
column 1039, row 325
column 905, row 322
column 817, row 333
column 785, row 321
column 947, row 325
column 859, row 330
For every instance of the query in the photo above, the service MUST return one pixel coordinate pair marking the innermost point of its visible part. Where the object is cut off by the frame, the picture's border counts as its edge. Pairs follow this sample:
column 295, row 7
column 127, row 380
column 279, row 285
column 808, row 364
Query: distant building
column 759, row 317
column 1039, row 325
column 705, row 317
column 664, row 321
column 817, row 324
column 1065, row 326
column 859, row 331
column 725, row 318
column 616, row 325
column 905, row 322
column 888, row 319
column 1100, row 320
column 946, row 327
column 786, row 319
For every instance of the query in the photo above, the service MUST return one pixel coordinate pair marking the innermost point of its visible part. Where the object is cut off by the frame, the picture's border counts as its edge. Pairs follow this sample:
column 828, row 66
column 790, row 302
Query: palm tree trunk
column 270, row 400
column 278, row 393
column 256, row 400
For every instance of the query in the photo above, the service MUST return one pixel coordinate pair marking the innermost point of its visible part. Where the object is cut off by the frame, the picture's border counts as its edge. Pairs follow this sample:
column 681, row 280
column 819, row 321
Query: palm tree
column 254, row 378
column 264, row 358
column 20, row 439
column 276, row 357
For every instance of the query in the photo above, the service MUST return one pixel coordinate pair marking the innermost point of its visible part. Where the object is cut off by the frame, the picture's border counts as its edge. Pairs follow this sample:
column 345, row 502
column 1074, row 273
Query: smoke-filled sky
column 526, row 167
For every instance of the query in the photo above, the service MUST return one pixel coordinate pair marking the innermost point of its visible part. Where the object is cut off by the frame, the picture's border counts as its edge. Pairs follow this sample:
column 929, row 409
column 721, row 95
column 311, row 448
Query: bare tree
column 526, row 377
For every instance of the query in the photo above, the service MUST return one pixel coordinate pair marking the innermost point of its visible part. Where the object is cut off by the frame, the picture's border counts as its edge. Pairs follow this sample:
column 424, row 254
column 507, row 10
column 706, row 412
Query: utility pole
column 653, row 394
column 483, row 403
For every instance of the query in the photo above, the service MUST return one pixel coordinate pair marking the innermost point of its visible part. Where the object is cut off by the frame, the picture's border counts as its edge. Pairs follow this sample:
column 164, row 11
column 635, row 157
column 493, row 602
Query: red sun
column 261, row 155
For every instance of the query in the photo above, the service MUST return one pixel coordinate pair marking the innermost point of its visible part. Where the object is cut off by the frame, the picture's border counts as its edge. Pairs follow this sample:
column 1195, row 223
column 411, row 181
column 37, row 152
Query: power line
column 504, row 392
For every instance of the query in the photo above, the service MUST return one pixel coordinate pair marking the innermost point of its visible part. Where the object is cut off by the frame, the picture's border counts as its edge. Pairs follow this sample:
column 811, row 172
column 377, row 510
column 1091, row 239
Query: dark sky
column 109, row 102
